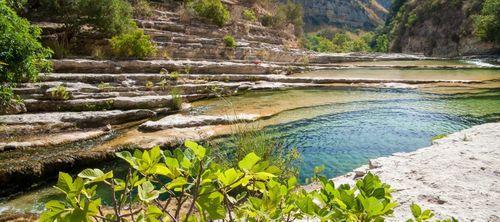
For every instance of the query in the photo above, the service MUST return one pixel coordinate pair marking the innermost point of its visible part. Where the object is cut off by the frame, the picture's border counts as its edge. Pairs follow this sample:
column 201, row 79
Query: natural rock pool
column 343, row 126
column 368, row 123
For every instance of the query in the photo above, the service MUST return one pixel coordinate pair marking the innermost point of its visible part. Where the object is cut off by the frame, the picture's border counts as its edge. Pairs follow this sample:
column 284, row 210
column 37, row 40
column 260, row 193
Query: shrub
column 229, row 41
column 488, row 22
column 212, row 10
column 382, row 44
column 133, row 44
column 186, row 185
column 22, row 56
column 249, row 15
column 111, row 17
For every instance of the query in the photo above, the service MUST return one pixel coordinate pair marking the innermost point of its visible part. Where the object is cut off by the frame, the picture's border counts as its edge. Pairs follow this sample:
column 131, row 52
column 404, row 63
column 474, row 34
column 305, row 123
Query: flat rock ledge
column 457, row 176
column 183, row 121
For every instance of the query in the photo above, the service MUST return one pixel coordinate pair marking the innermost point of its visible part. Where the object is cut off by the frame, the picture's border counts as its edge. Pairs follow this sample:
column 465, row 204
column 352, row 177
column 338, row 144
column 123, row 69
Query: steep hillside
column 438, row 28
column 365, row 14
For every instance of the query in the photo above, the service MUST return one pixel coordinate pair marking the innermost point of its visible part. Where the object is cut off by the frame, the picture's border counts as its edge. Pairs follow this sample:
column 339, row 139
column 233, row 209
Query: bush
column 22, row 56
column 382, row 44
column 229, row 41
column 133, row 44
column 249, row 15
column 488, row 22
column 186, row 185
column 212, row 10
column 110, row 17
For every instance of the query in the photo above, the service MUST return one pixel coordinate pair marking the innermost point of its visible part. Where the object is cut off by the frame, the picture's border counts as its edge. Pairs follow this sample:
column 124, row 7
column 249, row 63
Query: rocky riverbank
column 457, row 176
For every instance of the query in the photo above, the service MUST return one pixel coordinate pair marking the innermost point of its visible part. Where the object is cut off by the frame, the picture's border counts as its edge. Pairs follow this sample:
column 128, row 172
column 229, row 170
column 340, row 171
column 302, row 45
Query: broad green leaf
column 147, row 192
column 416, row 210
column 95, row 175
column 64, row 182
column 160, row 169
column 177, row 182
column 248, row 161
column 198, row 150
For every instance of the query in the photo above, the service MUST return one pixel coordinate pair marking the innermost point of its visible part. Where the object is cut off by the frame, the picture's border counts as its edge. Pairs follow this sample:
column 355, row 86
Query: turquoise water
column 343, row 128
column 344, row 136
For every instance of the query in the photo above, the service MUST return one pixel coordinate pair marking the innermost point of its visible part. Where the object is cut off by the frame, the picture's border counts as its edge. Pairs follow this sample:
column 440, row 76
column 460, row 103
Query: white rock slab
column 182, row 121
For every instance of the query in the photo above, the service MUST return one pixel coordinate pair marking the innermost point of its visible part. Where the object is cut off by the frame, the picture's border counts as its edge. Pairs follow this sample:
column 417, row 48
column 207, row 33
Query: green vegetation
column 187, row 185
column 288, row 13
column 142, row 9
column 22, row 56
column 249, row 15
column 488, row 22
column 60, row 93
column 343, row 42
column 229, row 41
column 133, row 44
column 212, row 10
column 248, row 139
column 176, row 103
column 174, row 75
column 109, row 18
column 440, row 136
column 149, row 85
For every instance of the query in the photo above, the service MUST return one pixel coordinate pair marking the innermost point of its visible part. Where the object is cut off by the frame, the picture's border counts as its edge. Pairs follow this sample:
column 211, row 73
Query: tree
column 22, row 56
column 488, row 22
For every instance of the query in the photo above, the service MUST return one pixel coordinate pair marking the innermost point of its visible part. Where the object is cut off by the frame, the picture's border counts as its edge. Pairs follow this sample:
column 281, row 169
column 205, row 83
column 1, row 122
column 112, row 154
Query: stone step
column 120, row 103
column 39, row 123
column 312, row 80
column 155, row 66
column 183, row 121
column 133, row 91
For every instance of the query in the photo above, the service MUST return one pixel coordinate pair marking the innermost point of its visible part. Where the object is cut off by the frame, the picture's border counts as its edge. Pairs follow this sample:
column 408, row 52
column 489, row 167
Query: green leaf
column 147, row 192
column 198, row 150
column 177, row 182
column 416, row 210
column 160, row 169
column 248, row 162
column 95, row 175
column 64, row 182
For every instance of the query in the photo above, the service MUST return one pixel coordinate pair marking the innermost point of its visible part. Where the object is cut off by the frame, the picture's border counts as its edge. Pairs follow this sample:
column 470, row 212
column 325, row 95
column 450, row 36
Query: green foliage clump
column 133, row 44
column 22, row 56
column 342, row 42
column 186, row 185
column 176, row 103
column 142, row 9
column 212, row 10
column 229, row 41
column 287, row 13
column 382, row 44
column 249, row 15
column 425, row 215
column 60, row 93
column 265, row 144
column 111, row 17
column 488, row 22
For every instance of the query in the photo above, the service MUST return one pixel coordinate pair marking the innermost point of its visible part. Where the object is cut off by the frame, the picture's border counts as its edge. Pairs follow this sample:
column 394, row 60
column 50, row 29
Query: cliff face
column 365, row 14
column 438, row 28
